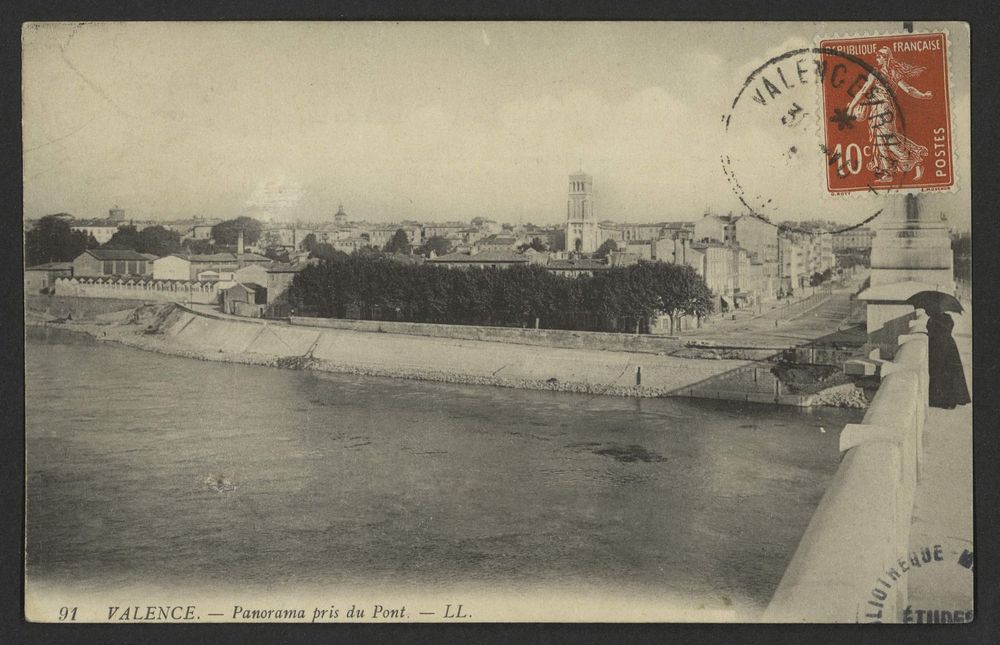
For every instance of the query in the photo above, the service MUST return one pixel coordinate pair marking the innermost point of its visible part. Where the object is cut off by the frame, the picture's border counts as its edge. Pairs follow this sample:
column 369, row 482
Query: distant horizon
column 430, row 122
column 303, row 221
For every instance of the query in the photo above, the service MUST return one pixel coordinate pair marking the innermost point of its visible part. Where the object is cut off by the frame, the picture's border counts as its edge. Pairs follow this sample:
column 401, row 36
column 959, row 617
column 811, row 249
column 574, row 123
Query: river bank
column 174, row 330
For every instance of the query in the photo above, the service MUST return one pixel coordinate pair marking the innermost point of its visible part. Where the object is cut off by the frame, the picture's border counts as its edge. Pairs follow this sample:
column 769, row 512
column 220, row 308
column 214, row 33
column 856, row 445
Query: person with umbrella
column 947, row 387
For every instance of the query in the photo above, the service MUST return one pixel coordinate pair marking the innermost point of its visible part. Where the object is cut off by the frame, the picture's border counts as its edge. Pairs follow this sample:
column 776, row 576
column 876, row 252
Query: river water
column 157, row 468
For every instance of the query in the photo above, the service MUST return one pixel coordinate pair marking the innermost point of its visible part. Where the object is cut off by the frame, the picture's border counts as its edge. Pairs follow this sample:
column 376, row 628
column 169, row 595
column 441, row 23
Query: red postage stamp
column 887, row 118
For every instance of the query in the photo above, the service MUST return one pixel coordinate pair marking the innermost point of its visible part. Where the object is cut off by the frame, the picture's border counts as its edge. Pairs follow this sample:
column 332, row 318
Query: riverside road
column 828, row 320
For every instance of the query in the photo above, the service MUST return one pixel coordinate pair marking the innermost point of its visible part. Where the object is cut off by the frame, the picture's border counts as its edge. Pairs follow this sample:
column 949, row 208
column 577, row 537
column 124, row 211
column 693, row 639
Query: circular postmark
column 936, row 581
column 783, row 153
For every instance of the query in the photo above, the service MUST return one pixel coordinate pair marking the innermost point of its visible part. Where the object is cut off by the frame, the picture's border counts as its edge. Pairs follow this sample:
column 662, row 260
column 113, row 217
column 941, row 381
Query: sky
column 422, row 121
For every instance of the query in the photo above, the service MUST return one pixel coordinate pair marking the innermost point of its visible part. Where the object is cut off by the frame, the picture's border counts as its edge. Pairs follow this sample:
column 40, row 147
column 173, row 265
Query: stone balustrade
column 846, row 567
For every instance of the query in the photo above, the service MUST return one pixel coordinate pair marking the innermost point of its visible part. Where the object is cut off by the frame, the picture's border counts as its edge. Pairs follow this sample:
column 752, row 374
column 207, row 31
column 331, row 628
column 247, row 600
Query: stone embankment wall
column 77, row 307
column 542, row 337
column 861, row 529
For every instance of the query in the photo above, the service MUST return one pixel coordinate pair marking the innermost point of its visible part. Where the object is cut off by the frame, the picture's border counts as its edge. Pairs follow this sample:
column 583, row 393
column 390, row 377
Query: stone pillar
column 911, row 252
column 911, row 244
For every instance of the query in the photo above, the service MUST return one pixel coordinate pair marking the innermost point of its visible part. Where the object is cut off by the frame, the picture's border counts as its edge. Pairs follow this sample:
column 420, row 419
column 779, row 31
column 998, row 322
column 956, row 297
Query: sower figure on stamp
column 891, row 151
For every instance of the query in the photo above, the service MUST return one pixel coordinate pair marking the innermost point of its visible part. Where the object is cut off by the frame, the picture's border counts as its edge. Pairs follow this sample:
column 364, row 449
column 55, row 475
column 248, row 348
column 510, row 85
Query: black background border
column 985, row 109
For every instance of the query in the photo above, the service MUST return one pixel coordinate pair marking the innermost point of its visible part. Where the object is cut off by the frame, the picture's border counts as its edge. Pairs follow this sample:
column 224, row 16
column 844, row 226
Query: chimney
column 239, row 243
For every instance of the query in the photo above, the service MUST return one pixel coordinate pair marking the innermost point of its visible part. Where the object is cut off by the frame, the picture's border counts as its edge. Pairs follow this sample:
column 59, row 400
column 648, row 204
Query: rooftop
column 97, row 222
column 499, row 239
column 117, row 254
column 577, row 264
column 500, row 255
column 283, row 267
column 208, row 257
column 222, row 257
column 251, row 286
column 52, row 266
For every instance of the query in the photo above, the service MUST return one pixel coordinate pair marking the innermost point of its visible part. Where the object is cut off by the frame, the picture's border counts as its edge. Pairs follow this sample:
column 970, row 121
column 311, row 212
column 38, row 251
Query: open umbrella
column 934, row 302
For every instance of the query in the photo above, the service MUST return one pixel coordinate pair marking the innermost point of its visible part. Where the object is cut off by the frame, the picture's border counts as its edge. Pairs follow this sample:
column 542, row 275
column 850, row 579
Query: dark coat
column 947, row 377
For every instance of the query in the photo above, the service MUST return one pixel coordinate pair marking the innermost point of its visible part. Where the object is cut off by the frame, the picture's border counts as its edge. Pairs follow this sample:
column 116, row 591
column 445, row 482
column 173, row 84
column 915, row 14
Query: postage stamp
column 894, row 128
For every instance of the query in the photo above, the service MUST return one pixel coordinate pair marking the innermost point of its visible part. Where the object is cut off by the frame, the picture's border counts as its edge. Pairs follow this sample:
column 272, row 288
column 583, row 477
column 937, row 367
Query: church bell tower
column 581, row 225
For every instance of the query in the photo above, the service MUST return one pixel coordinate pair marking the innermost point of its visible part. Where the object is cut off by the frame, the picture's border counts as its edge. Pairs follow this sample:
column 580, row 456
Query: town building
column 340, row 217
column 714, row 228
column 756, row 236
column 189, row 267
column 244, row 299
column 792, row 260
column 498, row 242
column 712, row 261
column 102, row 229
column 608, row 230
column 818, row 253
column 554, row 238
column 289, row 238
column 195, row 228
column 640, row 231
column 856, row 239
column 43, row 276
column 447, row 230
column 581, row 224
column 349, row 244
column 643, row 249
column 381, row 235
column 280, row 277
column 199, row 232
column 104, row 262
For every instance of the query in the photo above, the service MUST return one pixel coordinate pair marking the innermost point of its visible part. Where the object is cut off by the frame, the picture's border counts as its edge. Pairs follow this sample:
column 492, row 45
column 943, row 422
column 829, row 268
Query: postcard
column 476, row 322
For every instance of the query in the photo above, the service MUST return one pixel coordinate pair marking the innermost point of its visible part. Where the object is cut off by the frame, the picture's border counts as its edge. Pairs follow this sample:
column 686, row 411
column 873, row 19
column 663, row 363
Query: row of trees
column 53, row 240
column 618, row 299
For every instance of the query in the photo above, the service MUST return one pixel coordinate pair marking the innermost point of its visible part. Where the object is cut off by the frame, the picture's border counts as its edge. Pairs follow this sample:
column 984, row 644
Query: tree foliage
column 535, row 244
column 268, row 239
column 819, row 278
column 52, row 240
column 227, row 232
column 309, row 242
column 197, row 246
column 325, row 251
column 152, row 239
column 400, row 242
column 436, row 244
column 606, row 248
column 617, row 299
column 277, row 253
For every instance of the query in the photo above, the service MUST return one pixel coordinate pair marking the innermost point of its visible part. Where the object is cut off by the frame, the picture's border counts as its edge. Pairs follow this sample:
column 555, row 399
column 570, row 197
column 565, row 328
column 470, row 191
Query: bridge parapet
column 861, row 528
